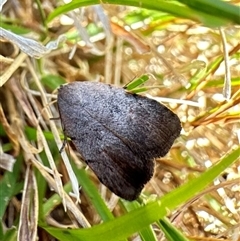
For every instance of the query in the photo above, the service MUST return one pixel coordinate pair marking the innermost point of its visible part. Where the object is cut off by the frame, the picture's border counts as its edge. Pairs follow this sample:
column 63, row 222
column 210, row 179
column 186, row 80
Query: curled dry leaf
column 29, row 46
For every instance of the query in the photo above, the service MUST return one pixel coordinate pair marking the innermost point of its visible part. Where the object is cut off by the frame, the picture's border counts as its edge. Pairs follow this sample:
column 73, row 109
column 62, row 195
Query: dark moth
column 117, row 133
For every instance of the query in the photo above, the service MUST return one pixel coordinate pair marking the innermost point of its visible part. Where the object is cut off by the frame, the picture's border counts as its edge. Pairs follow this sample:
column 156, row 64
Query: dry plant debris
column 185, row 62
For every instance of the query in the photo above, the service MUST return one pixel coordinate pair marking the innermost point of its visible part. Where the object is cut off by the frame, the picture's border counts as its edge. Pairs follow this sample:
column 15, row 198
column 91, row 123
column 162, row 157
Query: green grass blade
column 126, row 225
column 229, row 13
column 171, row 233
column 136, row 82
column 9, row 186
column 146, row 234
column 94, row 195
column 215, row 8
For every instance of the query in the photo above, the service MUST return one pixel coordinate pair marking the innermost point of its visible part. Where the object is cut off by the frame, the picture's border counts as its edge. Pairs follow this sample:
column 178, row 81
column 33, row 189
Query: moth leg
column 64, row 144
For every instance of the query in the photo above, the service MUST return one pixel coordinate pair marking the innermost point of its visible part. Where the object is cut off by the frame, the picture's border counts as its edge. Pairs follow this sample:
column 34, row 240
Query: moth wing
column 118, row 133
column 117, row 167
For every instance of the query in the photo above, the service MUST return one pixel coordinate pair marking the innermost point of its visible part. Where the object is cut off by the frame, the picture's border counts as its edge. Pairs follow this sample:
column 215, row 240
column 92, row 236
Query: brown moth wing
column 117, row 133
